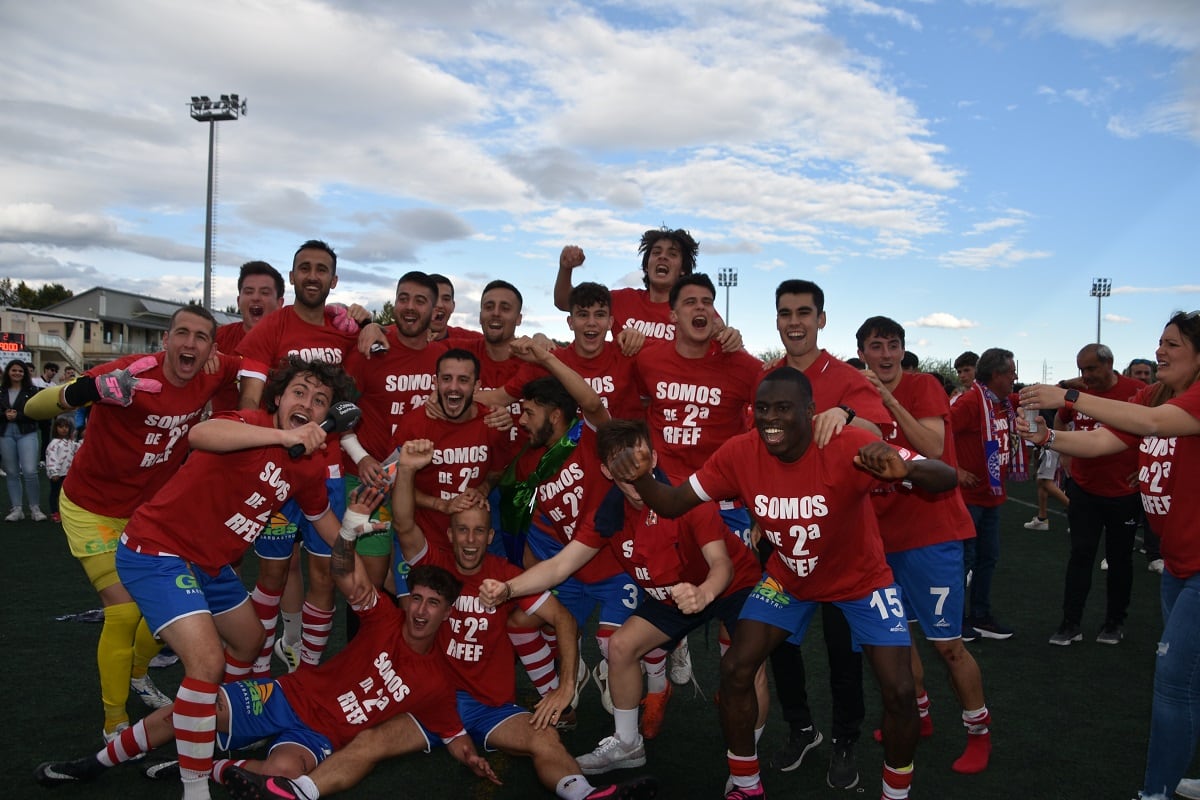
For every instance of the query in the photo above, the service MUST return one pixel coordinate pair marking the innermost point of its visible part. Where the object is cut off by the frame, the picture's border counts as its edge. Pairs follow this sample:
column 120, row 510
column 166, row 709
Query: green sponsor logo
column 186, row 582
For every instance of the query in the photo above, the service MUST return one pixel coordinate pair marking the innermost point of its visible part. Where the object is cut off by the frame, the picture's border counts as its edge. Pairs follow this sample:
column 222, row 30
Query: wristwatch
column 1069, row 400
column 850, row 415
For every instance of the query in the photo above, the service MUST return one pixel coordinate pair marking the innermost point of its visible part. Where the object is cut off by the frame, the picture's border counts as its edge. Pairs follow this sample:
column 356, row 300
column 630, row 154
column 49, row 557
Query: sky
column 966, row 168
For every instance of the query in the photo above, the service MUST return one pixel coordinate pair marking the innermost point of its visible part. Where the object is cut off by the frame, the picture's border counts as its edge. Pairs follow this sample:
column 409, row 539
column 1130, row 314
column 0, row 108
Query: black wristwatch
column 1069, row 400
column 850, row 415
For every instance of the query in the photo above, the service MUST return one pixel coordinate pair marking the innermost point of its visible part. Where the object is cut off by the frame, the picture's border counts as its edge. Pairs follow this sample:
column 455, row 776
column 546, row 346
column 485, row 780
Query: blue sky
column 964, row 167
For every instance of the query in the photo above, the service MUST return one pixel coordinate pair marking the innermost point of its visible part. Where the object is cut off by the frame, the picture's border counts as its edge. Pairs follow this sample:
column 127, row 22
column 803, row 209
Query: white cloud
column 1117, row 318
column 942, row 319
column 1187, row 288
column 998, row 254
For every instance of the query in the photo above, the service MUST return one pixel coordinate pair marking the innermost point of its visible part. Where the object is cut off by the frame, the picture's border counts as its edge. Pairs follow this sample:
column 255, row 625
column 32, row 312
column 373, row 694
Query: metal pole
column 728, row 289
column 1099, row 300
column 208, row 218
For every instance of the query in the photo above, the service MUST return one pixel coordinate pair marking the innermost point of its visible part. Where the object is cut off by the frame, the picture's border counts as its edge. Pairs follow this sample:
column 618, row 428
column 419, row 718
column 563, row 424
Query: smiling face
column 882, row 356
column 499, row 315
column 456, row 382
column 305, row 399
column 425, row 611
column 15, row 373
column 798, row 323
column 783, row 418
column 1178, row 360
column 313, row 277
column 470, row 534
column 412, row 310
column 442, row 309
column 693, row 315
column 188, row 343
column 590, row 326
column 256, row 299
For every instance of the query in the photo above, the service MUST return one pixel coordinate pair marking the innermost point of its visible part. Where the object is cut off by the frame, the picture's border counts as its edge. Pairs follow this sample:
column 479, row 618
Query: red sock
column 896, row 782
column 979, row 743
column 535, row 657
column 923, row 709
column 316, row 624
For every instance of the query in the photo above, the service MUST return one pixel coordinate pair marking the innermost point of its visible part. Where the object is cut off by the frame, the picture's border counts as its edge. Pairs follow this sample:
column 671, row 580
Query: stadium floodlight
column 1101, row 288
column 229, row 108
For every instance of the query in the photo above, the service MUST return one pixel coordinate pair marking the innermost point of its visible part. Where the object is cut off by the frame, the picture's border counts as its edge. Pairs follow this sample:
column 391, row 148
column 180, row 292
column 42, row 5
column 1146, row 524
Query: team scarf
column 1018, row 465
column 996, row 445
column 518, row 497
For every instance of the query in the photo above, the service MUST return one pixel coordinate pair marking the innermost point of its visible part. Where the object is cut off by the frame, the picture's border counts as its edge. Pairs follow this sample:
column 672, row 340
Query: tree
column 24, row 296
column 386, row 316
column 942, row 368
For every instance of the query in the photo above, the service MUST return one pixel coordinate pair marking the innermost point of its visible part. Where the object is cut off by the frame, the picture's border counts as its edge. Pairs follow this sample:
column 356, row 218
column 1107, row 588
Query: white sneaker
column 1038, row 524
column 287, row 653
column 611, row 754
column 1189, row 788
column 148, row 693
column 600, row 676
column 36, row 514
column 1157, row 566
column 16, row 515
column 681, row 664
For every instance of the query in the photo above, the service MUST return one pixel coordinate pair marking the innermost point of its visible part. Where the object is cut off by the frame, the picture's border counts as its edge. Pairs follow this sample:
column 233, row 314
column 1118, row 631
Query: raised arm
column 571, row 257
column 411, row 457
column 590, row 404
column 347, row 571
column 634, row 465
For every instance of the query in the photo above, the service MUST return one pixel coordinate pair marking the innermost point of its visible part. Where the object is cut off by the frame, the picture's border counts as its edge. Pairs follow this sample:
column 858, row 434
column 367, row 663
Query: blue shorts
column 931, row 578
column 276, row 541
column 876, row 619
column 480, row 720
column 737, row 519
column 617, row 597
column 167, row 588
column 676, row 625
column 258, row 709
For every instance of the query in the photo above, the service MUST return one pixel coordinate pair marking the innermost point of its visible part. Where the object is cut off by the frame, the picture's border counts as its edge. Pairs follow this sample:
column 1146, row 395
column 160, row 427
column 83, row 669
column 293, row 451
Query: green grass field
column 1068, row 722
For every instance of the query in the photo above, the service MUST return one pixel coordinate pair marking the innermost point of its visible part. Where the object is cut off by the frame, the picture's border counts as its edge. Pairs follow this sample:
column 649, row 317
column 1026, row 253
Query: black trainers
column 843, row 772
column 1066, row 634
column 162, row 770
column 969, row 634
column 245, row 785
column 990, row 629
column 56, row 773
column 792, row 753
column 1111, row 633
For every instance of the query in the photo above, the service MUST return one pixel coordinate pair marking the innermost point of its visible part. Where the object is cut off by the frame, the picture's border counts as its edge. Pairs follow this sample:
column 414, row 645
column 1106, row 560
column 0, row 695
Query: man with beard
column 260, row 292
column 393, row 385
column 306, row 330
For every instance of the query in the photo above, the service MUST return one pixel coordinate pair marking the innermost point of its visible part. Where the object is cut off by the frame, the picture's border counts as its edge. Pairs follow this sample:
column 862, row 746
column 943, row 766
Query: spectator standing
column 19, row 443
column 59, row 455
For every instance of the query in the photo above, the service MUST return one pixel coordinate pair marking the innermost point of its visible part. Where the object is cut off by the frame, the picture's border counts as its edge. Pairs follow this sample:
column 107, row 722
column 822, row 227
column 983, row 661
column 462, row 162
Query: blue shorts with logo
column 617, row 597
column 931, row 577
column 876, row 619
column 258, row 709
column 277, row 540
column 167, row 588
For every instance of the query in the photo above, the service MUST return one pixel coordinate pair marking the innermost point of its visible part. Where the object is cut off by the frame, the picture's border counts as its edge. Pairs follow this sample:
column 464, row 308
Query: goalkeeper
column 143, row 407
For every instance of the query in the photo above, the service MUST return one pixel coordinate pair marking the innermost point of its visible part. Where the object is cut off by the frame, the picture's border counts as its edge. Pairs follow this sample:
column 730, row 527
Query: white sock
column 292, row 627
column 574, row 787
column 305, row 786
column 626, row 723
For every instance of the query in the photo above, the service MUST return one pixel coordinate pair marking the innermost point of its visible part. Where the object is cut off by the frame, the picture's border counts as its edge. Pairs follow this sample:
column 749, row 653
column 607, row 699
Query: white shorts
column 1048, row 465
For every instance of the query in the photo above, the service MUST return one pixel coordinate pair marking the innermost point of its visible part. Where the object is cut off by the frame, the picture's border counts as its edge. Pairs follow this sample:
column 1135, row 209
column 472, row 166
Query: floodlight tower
column 1101, row 288
column 202, row 109
column 727, row 278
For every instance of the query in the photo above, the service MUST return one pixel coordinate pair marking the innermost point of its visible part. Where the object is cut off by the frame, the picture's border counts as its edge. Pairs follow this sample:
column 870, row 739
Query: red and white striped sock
column 317, row 624
column 266, row 605
column 132, row 742
column 896, row 782
column 535, row 657
column 655, row 663
column 236, row 670
column 195, row 721
column 743, row 770
column 551, row 641
column 221, row 764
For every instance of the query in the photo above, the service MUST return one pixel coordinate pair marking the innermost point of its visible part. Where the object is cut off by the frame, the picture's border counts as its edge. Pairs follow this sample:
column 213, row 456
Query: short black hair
column 966, row 359
column 459, row 354
column 260, row 268
column 910, row 360
column 422, row 279
column 442, row 280
column 548, row 392
column 588, row 294
column 884, row 327
column 436, row 578
column 617, row 434
column 799, row 286
column 317, row 244
column 502, row 284
column 793, row 376
column 694, row 279
column 199, row 311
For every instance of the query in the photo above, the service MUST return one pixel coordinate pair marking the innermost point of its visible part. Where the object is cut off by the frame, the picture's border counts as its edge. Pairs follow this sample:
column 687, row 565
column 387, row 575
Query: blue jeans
column 980, row 556
column 1175, row 714
column 19, row 455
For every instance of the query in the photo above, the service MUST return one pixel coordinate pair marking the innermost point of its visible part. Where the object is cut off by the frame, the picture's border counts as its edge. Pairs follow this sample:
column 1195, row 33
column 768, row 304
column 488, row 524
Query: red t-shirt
column 658, row 552
column 227, row 339
column 391, row 385
column 567, row 498
column 464, row 453
column 475, row 637
column 218, row 503
column 374, row 678
column 966, row 420
column 129, row 453
column 836, row 383
column 695, row 403
column 912, row 517
column 632, row 308
column 1105, row 476
column 1166, row 472
column 284, row 334
column 816, row 511
column 611, row 375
